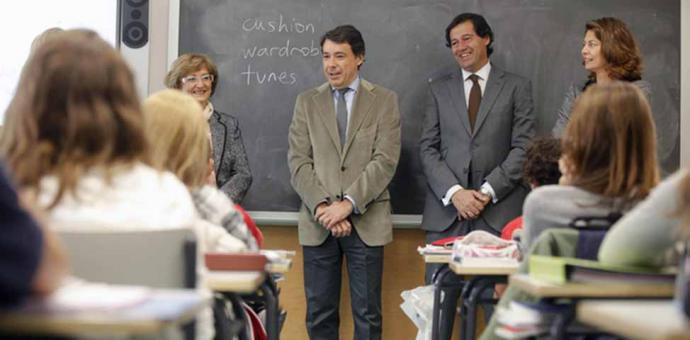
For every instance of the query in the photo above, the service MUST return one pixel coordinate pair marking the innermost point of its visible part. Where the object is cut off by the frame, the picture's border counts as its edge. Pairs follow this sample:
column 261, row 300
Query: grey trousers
column 322, row 277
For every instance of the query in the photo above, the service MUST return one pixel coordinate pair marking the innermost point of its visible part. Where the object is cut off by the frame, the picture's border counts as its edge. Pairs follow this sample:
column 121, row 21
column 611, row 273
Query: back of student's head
column 609, row 146
column 541, row 162
column 75, row 108
column 179, row 135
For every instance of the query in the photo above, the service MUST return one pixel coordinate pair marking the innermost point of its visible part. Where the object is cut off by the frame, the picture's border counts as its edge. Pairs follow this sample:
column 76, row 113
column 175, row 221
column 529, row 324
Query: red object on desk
column 446, row 242
column 243, row 262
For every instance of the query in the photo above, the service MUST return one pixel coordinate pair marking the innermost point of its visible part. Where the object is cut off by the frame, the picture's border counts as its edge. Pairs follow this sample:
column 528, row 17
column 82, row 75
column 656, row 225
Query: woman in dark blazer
column 197, row 75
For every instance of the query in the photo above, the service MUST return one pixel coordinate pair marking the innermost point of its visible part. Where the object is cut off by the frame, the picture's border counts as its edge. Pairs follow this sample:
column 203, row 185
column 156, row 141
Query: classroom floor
column 403, row 269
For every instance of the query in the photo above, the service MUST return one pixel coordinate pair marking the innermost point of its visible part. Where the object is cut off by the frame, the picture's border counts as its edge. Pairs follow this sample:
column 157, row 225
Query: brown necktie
column 475, row 100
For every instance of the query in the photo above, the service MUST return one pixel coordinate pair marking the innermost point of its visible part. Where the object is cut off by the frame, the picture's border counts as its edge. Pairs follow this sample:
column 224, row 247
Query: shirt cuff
column 354, row 205
column 325, row 200
column 449, row 194
column 486, row 189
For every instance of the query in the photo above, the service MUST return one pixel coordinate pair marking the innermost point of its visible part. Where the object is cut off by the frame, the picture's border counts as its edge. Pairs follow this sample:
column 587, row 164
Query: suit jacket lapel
column 456, row 88
column 493, row 87
column 218, row 133
column 364, row 99
column 326, row 111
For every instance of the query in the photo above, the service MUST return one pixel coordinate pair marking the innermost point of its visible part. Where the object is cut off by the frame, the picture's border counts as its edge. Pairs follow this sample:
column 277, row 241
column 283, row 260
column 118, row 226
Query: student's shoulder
column 548, row 195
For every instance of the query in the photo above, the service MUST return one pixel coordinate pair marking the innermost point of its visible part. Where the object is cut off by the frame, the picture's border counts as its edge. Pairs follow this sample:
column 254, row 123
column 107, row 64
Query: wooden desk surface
column 279, row 268
column 162, row 309
column 487, row 270
column 234, row 281
column 436, row 258
column 540, row 288
column 645, row 319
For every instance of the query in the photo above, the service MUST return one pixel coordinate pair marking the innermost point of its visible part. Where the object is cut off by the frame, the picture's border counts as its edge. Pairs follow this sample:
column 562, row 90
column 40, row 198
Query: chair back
column 154, row 258
column 591, row 233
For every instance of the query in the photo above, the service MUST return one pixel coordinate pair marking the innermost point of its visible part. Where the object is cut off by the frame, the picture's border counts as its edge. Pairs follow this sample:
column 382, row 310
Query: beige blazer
column 320, row 170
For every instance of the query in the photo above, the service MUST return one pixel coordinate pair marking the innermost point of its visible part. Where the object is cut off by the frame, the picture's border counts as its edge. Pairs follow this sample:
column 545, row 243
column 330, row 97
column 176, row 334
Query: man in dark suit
column 478, row 122
column 344, row 146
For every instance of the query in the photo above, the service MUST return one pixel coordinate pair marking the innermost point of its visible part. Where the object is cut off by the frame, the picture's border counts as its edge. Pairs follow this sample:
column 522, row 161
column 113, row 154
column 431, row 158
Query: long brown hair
column 609, row 145
column 619, row 48
column 75, row 108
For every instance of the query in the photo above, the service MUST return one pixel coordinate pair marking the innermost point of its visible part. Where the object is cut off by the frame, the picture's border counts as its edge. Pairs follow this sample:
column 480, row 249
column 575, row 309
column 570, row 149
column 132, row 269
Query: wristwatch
column 485, row 191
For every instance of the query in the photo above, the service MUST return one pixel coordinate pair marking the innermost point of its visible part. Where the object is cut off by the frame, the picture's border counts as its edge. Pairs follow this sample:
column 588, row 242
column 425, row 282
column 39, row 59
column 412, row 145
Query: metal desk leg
column 272, row 311
column 439, row 283
column 464, row 311
column 472, row 298
column 561, row 322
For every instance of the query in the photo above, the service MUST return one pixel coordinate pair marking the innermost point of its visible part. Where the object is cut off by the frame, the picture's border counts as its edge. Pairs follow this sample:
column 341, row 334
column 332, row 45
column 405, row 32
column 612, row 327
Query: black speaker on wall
column 134, row 40
column 134, row 23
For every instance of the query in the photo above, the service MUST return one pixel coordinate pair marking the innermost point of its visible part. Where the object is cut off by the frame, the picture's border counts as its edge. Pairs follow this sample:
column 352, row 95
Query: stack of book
column 560, row 270
column 435, row 254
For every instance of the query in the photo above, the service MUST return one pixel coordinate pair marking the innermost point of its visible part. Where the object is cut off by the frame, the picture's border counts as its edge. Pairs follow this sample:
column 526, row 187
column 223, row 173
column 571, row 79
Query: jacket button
column 342, row 168
column 337, row 196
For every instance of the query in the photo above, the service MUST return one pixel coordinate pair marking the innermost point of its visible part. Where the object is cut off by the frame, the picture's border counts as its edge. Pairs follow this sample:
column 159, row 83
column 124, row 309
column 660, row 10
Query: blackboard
column 267, row 52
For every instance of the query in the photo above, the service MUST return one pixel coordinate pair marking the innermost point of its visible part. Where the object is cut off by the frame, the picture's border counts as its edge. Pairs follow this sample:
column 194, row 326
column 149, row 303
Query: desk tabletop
column 544, row 289
column 234, row 281
column 437, row 258
column 160, row 310
column 502, row 269
column 637, row 319
column 279, row 267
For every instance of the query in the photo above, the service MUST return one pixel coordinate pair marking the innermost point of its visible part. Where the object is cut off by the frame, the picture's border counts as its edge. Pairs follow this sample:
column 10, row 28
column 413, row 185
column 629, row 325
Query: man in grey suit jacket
column 478, row 122
column 344, row 146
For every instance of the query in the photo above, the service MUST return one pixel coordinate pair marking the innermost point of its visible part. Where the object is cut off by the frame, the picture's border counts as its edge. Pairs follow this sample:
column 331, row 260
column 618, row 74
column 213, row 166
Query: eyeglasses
column 206, row 78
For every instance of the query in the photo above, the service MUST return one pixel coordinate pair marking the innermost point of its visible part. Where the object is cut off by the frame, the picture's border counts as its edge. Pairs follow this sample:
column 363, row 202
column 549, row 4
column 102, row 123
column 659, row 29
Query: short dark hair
column 481, row 28
column 346, row 34
column 541, row 163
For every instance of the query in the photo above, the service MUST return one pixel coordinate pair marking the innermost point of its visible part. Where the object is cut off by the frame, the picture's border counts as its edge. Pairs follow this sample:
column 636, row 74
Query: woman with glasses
column 197, row 75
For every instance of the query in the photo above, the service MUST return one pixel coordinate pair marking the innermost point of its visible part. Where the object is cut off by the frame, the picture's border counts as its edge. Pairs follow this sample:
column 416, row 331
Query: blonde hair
column 179, row 135
column 609, row 144
column 75, row 108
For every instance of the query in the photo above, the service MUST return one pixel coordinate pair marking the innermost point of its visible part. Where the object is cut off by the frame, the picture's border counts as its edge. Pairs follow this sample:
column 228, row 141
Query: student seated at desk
column 608, row 161
column 541, row 168
column 179, row 141
column 79, row 145
column 31, row 260
column 647, row 235
column 608, row 164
